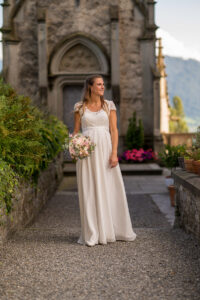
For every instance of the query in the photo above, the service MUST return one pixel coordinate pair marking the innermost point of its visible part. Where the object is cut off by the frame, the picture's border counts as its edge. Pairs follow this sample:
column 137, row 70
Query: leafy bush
column 29, row 138
column 169, row 156
column 134, row 138
column 8, row 183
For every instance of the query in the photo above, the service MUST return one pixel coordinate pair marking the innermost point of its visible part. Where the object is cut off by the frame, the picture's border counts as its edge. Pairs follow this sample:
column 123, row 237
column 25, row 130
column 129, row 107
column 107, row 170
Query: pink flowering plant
column 140, row 155
column 79, row 146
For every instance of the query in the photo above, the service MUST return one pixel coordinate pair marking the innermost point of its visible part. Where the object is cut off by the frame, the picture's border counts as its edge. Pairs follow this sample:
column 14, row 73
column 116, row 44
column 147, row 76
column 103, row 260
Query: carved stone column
column 42, row 56
column 151, row 103
column 115, row 63
column 6, row 29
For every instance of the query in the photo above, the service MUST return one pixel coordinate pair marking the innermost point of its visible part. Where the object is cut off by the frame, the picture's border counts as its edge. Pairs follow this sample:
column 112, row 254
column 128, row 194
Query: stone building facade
column 164, row 96
column 50, row 46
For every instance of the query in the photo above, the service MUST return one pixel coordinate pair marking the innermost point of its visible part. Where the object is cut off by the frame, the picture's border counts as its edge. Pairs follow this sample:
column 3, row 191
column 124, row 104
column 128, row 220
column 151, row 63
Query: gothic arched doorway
column 77, row 58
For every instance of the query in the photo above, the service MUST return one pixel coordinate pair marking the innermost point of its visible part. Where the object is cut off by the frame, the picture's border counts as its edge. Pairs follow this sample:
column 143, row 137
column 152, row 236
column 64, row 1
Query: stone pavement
column 43, row 261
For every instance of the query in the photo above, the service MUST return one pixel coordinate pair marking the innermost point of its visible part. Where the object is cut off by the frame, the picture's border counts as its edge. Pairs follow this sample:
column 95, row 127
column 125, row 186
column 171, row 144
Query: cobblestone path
column 43, row 261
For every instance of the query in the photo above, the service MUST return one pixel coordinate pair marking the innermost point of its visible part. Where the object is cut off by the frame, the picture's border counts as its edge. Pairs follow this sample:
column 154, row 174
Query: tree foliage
column 177, row 122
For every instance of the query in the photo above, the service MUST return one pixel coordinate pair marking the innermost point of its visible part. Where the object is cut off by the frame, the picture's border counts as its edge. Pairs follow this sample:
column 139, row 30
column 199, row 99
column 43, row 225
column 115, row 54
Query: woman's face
column 98, row 87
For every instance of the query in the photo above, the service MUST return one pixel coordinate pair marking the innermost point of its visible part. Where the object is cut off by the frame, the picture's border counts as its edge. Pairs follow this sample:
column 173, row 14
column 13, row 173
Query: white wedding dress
column 103, row 204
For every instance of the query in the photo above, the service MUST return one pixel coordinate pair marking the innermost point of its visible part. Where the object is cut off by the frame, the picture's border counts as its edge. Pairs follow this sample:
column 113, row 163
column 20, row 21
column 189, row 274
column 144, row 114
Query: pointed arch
column 78, row 54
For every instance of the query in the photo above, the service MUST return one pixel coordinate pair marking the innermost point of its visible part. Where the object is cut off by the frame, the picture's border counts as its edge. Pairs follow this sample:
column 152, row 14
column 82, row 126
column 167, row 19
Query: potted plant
column 169, row 157
column 196, row 161
column 195, row 155
column 188, row 161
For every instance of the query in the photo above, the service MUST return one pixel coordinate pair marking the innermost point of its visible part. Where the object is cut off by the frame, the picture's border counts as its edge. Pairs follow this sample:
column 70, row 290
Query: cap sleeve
column 77, row 107
column 112, row 105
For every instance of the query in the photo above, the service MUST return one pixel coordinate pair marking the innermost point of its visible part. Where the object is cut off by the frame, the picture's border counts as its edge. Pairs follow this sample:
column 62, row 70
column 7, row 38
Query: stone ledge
column 126, row 169
column 190, row 181
column 187, row 214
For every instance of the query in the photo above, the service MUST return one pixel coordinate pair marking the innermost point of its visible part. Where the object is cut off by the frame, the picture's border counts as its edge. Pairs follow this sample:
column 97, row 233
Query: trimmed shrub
column 134, row 138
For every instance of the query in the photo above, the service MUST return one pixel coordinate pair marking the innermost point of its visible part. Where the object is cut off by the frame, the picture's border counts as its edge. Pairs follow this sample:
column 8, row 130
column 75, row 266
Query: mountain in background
column 183, row 78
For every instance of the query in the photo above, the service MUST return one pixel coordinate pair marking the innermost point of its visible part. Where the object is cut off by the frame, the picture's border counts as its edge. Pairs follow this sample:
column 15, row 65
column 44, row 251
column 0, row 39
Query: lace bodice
column 94, row 119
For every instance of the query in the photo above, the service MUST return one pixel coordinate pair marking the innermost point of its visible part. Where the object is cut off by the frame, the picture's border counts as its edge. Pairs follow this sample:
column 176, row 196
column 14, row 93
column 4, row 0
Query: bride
column 103, row 204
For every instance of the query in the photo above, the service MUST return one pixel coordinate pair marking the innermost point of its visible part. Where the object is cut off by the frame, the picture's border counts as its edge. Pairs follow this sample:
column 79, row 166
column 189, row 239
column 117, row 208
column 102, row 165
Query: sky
column 179, row 25
column 178, row 22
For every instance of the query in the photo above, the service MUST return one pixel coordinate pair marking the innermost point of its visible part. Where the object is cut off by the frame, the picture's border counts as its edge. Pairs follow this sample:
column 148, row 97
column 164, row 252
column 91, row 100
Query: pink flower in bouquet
column 79, row 146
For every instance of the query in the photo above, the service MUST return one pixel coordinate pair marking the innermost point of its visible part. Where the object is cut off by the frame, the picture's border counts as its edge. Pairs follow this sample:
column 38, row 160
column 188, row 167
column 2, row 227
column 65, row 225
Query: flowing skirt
column 103, row 204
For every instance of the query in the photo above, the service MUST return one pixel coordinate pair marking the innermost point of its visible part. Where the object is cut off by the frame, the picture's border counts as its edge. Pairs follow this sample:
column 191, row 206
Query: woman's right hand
column 113, row 160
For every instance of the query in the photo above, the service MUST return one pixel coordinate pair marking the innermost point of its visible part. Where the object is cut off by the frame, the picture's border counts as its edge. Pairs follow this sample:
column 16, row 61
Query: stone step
column 126, row 169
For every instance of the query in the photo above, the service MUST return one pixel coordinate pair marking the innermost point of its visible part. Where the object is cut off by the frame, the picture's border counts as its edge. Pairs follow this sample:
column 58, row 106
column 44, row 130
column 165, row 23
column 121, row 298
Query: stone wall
column 64, row 18
column 175, row 139
column 187, row 201
column 28, row 201
column 27, row 60
column 131, row 27
column 122, row 30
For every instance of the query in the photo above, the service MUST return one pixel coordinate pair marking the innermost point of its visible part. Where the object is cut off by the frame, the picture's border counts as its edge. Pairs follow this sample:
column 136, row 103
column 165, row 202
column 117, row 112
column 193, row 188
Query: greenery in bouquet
column 79, row 146
column 137, row 156
column 169, row 156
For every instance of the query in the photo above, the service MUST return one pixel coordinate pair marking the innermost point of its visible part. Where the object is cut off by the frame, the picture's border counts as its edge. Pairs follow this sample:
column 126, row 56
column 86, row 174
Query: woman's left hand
column 113, row 160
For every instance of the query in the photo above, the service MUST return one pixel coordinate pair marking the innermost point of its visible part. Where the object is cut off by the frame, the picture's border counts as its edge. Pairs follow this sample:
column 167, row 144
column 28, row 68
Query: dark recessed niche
column 77, row 2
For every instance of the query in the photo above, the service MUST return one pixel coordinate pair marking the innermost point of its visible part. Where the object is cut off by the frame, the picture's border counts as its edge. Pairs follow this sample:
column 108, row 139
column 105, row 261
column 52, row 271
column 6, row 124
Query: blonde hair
column 86, row 94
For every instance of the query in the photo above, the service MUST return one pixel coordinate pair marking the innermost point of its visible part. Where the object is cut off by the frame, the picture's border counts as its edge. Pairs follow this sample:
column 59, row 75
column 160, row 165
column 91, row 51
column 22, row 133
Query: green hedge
column 29, row 138
column 8, row 183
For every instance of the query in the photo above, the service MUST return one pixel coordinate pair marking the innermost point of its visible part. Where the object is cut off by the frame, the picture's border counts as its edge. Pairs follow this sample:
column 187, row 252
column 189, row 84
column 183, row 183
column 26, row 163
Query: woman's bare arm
column 114, row 137
column 77, row 123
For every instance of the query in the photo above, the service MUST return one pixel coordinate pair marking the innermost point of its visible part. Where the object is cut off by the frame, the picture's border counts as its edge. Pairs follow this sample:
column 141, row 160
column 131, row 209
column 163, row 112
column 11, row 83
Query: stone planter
column 189, row 165
column 172, row 193
column 196, row 166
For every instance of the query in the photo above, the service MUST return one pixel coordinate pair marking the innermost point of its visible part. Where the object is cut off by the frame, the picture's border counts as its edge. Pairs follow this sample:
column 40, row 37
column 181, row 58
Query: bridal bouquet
column 79, row 146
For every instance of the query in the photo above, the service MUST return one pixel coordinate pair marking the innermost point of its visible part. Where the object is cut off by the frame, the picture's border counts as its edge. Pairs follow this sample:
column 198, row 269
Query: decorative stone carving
column 79, row 59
